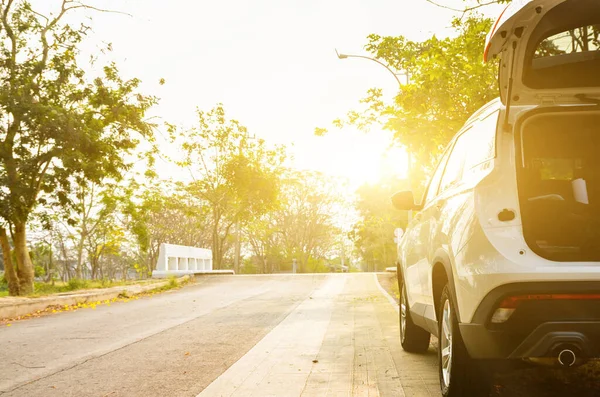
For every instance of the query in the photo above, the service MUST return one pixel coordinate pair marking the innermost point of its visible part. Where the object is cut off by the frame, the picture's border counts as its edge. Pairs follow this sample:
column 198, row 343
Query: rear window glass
column 564, row 48
column 580, row 40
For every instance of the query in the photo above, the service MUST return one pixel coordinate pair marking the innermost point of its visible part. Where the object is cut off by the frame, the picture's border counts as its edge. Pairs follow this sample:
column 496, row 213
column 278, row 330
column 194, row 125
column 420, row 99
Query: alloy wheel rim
column 446, row 343
column 403, row 314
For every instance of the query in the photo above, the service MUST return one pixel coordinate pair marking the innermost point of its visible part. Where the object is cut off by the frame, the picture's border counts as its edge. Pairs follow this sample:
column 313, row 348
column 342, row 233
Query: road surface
column 280, row 335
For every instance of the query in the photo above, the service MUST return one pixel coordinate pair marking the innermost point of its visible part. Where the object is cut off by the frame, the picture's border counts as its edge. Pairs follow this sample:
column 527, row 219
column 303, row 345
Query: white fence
column 181, row 260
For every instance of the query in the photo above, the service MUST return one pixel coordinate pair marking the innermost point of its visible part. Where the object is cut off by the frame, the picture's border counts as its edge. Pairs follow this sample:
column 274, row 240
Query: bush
column 172, row 282
column 249, row 268
column 76, row 283
column 45, row 288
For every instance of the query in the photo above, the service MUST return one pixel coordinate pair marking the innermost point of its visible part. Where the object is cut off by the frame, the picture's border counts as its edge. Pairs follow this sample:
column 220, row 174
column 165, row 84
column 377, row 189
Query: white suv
column 502, row 259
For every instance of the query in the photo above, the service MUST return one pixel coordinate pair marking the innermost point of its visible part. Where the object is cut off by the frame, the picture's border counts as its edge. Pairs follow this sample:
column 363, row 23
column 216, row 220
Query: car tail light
column 507, row 307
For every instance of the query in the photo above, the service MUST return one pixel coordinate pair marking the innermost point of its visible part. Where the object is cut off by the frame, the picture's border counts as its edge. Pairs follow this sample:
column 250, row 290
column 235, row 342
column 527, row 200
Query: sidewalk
column 343, row 341
column 13, row 307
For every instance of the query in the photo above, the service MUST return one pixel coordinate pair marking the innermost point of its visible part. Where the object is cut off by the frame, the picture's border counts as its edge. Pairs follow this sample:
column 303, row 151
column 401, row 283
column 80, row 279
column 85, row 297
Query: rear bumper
column 538, row 329
column 544, row 341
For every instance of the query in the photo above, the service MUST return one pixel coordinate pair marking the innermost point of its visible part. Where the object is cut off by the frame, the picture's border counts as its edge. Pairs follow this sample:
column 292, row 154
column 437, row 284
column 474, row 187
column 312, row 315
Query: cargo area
column 558, row 172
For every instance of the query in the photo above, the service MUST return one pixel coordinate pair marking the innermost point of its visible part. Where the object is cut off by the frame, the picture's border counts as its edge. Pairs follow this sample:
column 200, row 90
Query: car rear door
column 417, row 249
column 549, row 51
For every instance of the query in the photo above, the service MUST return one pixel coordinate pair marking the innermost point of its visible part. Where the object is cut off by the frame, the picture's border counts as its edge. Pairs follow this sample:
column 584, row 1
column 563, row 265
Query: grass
column 389, row 282
column 174, row 283
column 394, row 290
column 41, row 288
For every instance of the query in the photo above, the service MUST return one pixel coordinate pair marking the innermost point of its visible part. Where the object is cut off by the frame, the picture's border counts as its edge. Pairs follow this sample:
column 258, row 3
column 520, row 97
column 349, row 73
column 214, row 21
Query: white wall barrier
column 180, row 260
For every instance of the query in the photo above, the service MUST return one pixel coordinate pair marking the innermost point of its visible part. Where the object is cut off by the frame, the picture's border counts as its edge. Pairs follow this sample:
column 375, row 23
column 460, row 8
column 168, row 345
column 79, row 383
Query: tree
column 306, row 223
column 88, row 211
column 373, row 233
column 468, row 9
column 261, row 235
column 164, row 212
column 236, row 176
column 302, row 227
column 55, row 121
column 10, row 273
column 448, row 82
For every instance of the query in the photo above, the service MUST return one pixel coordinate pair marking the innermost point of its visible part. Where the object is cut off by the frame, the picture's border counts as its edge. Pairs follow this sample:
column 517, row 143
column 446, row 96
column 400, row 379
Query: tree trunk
column 94, row 264
column 24, row 264
column 215, row 246
column 80, row 248
column 9, row 270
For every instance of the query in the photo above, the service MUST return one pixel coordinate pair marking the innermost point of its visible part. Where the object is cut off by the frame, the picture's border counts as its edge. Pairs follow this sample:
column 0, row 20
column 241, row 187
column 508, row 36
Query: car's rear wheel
column 459, row 373
column 413, row 338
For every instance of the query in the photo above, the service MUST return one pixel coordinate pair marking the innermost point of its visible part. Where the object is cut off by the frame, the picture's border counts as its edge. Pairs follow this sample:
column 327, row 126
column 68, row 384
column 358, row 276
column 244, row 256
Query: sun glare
column 358, row 157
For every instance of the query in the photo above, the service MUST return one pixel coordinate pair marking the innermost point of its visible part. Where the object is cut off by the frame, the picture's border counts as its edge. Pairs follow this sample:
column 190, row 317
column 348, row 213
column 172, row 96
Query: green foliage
column 42, row 288
column 306, row 224
column 448, row 81
column 249, row 268
column 172, row 282
column 235, row 175
column 59, row 121
column 76, row 283
column 315, row 265
column 373, row 235
column 302, row 227
column 39, row 271
column 56, row 120
column 46, row 289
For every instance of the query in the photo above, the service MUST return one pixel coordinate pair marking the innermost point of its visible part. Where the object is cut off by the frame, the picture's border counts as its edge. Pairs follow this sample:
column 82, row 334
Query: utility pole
column 407, row 75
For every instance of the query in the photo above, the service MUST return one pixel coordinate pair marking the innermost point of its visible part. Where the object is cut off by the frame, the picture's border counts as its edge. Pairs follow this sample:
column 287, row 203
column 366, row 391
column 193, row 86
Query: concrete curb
column 14, row 307
column 167, row 273
column 387, row 295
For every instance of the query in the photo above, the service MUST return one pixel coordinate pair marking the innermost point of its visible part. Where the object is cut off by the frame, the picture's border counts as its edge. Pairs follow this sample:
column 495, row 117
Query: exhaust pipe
column 567, row 358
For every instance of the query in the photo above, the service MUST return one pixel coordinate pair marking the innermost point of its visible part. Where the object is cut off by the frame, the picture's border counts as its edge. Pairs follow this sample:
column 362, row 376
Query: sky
column 272, row 64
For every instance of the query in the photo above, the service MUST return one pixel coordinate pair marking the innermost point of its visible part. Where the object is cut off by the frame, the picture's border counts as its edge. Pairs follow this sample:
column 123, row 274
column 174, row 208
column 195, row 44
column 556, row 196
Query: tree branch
column 443, row 6
column 13, row 41
column 78, row 4
column 465, row 10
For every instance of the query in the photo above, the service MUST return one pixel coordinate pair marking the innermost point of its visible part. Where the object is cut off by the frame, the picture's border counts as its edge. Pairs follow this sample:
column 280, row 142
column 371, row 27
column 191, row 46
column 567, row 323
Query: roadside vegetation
column 445, row 81
column 41, row 288
column 80, row 198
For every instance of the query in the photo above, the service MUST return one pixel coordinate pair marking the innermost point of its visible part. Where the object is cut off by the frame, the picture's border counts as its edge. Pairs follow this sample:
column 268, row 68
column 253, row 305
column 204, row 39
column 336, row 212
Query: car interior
column 559, row 185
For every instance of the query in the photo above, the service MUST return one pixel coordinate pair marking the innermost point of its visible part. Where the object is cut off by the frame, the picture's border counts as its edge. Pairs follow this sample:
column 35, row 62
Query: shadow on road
column 545, row 382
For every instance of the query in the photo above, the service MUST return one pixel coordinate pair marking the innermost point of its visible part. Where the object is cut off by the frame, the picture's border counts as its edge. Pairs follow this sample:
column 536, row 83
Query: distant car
column 501, row 260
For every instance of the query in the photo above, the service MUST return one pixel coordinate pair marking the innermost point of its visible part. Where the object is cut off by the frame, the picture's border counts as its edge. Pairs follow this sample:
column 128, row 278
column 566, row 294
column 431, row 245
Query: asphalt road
column 280, row 335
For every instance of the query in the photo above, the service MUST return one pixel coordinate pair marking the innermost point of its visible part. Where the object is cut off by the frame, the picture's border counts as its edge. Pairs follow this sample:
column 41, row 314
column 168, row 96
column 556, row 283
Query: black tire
column 465, row 376
column 413, row 338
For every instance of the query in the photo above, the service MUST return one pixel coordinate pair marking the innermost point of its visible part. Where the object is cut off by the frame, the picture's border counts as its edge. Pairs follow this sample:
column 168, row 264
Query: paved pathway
column 341, row 341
